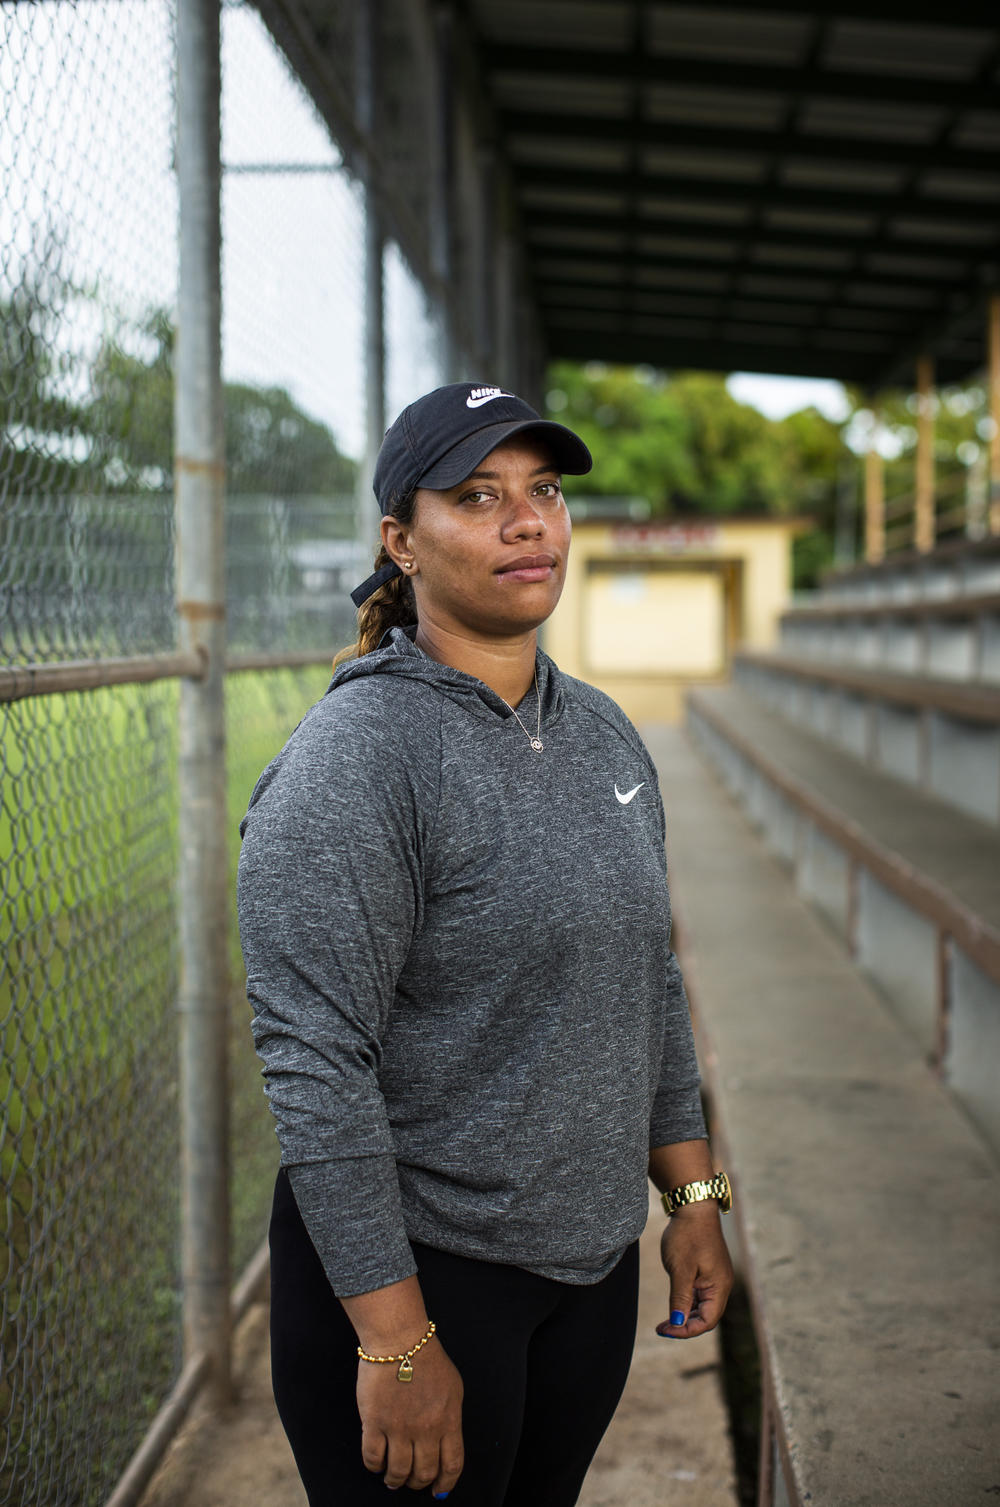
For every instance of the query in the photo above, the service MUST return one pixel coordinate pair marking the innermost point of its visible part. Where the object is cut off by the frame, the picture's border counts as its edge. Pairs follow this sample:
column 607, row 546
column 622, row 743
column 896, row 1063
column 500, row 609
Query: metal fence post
column 203, row 882
column 441, row 167
column 367, row 513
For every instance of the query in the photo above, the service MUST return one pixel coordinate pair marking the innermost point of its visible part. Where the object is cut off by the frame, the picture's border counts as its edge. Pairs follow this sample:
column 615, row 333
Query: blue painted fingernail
column 676, row 1318
column 439, row 1496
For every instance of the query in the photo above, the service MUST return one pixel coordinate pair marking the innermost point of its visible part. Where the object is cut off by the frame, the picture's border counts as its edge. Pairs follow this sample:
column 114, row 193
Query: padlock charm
column 405, row 1372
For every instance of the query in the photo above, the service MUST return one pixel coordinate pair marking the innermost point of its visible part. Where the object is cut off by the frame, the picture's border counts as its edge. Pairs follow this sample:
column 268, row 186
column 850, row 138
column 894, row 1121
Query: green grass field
column 88, row 1078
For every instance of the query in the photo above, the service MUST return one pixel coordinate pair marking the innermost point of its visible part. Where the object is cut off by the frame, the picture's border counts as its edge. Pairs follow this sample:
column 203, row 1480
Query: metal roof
column 775, row 186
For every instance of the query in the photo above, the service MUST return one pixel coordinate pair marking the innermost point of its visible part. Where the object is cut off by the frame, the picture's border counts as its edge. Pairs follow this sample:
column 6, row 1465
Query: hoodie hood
column 397, row 654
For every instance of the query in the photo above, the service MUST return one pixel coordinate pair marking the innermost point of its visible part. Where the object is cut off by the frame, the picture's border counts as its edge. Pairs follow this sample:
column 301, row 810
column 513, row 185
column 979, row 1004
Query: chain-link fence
column 88, row 821
column 90, row 817
column 88, row 1083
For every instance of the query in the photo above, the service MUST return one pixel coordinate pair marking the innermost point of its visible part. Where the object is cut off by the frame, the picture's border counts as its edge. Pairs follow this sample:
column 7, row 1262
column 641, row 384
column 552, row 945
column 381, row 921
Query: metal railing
column 953, row 513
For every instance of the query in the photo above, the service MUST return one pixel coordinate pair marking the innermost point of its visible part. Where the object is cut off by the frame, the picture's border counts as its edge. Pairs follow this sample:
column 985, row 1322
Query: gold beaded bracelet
column 405, row 1372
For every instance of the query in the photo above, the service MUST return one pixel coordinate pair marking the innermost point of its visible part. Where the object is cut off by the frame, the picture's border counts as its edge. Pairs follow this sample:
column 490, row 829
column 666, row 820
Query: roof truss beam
column 754, row 195
column 960, row 15
column 850, row 244
column 558, row 293
column 619, row 265
column 632, row 68
column 674, row 353
column 555, row 127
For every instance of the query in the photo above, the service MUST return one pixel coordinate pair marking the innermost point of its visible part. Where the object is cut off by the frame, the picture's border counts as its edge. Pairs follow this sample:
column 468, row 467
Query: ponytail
column 392, row 605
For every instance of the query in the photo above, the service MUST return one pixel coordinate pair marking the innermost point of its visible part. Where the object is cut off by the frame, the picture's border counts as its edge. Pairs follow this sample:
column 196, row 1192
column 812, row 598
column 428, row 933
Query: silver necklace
column 536, row 741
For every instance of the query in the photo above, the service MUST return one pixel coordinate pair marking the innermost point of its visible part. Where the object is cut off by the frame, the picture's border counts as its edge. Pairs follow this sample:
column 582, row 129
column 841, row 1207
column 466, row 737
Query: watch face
column 726, row 1201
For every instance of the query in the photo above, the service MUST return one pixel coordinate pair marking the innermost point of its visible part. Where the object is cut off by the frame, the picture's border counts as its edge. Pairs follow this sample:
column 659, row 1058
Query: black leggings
column 543, row 1364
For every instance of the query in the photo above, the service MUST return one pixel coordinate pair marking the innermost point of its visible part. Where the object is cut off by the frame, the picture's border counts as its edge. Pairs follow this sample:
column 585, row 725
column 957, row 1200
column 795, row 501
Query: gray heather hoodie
column 472, row 1025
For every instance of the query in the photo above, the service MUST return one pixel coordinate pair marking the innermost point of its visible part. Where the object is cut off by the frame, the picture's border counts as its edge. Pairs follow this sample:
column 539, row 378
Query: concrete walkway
column 668, row 1445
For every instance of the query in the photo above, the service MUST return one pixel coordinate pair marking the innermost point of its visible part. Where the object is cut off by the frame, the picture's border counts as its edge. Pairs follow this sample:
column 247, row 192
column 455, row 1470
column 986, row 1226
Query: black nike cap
column 440, row 439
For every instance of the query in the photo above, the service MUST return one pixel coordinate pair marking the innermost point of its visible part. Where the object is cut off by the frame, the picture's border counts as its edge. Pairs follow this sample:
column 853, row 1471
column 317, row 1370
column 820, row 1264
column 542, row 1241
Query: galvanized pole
column 505, row 362
column 367, row 513
column 441, row 158
column 484, row 292
column 203, row 882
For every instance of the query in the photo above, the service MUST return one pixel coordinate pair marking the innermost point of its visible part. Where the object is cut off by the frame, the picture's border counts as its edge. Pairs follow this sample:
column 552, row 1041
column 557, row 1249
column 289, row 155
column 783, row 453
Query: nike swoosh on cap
column 480, row 395
column 626, row 798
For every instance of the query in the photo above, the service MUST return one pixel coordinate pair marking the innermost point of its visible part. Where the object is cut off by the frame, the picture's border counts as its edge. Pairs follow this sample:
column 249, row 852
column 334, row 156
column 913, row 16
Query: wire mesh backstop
column 316, row 359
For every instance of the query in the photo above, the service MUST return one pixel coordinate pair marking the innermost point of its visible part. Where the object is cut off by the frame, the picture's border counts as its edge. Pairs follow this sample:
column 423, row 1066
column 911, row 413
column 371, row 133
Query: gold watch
column 695, row 1193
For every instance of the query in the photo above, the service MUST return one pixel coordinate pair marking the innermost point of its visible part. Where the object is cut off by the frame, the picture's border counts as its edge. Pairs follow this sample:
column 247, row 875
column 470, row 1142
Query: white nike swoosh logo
column 478, row 402
column 626, row 798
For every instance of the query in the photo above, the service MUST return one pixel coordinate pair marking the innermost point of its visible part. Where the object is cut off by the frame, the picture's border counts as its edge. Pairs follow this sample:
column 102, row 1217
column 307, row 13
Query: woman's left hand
column 696, row 1260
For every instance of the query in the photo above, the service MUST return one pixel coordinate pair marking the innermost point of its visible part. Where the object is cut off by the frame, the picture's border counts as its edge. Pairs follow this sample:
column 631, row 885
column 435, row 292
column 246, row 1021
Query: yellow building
column 650, row 607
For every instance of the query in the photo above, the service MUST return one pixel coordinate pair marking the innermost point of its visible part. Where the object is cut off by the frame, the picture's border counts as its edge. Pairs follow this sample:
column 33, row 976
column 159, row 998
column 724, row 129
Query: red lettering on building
column 666, row 538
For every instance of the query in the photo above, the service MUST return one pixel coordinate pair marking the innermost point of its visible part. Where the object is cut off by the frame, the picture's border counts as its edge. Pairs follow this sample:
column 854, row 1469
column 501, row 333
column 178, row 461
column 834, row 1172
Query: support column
column 203, row 889
column 484, row 292
column 925, row 536
column 366, row 509
column 503, row 286
column 993, row 345
column 441, row 170
column 874, row 495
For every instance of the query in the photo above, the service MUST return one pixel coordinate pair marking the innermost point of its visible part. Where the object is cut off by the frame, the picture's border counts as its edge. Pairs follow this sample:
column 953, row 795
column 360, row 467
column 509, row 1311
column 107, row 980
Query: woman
column 455, row 921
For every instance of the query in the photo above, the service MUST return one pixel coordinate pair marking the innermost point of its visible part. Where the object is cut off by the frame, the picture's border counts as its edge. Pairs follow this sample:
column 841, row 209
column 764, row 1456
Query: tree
column 962, row 427
column 131, row 410
column 685, row 444
column 271, row 445
column 637, row 434
column 39, row 425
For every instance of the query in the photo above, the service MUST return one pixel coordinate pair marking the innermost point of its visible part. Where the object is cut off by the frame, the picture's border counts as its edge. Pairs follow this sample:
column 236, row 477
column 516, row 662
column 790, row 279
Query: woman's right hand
column 413, row 1430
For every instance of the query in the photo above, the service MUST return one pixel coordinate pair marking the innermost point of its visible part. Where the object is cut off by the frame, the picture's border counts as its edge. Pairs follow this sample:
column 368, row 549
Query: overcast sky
column 780, row 396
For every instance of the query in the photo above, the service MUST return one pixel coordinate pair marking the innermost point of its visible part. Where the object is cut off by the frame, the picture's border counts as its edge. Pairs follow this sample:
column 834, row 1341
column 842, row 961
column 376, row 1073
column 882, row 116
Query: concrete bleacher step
column 868, row 1210
column 931, row 613
column 954, row 851
column 911, row 884
column 941, row 735
column 957, row 637
column 953, row 568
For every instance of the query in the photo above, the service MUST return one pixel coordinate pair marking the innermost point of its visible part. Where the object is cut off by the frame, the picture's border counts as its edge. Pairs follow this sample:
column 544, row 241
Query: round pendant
column 537, row 744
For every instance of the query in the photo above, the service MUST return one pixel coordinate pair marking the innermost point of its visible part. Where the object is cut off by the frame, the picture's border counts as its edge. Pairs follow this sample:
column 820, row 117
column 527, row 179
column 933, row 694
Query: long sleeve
column 677, row 1113
column 329, row 895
